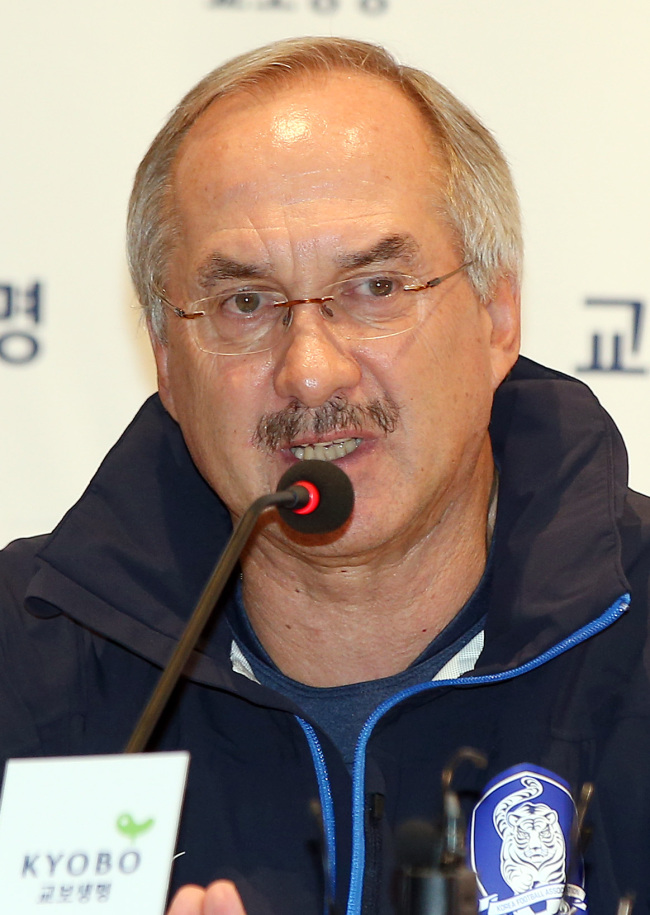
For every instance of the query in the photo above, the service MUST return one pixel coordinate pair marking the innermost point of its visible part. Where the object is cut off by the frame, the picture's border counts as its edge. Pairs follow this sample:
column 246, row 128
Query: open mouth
column 326, row 451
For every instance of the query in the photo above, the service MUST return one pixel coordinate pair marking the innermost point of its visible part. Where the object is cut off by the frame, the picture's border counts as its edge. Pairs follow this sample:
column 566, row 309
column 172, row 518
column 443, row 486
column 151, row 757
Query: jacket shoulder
column 17, row 565
column 635, row 540
column 40, row 687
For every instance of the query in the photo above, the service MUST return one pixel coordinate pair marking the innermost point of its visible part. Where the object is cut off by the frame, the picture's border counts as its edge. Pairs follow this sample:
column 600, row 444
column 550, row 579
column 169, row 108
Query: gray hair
column 480, row 202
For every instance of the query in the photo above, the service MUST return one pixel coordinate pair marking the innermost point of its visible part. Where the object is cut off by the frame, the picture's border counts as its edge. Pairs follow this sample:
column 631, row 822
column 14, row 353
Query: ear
column 505, row 338
column 161, row 354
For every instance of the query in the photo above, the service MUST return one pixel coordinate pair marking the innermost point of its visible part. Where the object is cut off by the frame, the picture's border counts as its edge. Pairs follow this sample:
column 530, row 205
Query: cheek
column 218, row 403
column 460, row 354
column 447, row 361
column 449, row 390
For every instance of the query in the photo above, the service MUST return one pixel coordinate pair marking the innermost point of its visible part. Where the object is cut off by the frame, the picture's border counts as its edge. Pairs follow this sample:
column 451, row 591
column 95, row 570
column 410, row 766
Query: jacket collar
column 563, row 480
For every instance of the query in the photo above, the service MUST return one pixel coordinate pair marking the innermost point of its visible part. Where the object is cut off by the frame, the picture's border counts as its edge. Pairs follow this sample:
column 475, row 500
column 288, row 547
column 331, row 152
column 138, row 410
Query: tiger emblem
column 533, row 850
column 520, row 846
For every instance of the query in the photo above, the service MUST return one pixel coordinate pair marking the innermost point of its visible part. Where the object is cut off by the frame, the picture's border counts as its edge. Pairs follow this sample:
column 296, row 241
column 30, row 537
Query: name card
column 90, row 833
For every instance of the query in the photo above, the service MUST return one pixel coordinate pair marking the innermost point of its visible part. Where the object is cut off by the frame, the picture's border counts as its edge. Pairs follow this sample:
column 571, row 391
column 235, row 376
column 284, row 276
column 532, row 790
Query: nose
column 312, row 363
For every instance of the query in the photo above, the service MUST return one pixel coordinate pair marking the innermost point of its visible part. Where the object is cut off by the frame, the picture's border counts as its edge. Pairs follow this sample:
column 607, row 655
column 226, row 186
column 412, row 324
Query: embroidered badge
column 520, row 843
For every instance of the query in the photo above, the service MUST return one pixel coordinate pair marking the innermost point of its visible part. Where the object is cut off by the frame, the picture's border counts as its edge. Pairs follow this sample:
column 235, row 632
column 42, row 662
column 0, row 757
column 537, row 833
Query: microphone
column 314, row 497
column 422, row 886
column 325, row 497
column 435, row 879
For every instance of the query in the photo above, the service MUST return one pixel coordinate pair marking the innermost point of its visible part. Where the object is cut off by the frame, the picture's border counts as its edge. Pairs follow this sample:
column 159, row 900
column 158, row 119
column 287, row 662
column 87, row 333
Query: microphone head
column 336, row 497
column 417, row 846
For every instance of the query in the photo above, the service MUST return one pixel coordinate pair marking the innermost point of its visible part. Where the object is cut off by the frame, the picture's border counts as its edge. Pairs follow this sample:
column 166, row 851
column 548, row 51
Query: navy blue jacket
column 90, row 613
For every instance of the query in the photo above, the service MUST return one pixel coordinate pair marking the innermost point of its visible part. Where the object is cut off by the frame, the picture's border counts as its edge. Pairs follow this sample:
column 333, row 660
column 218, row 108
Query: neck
column 330, row 620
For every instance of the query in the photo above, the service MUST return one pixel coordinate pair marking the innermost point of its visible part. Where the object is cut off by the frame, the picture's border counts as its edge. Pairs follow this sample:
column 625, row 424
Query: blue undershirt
column 341, row 711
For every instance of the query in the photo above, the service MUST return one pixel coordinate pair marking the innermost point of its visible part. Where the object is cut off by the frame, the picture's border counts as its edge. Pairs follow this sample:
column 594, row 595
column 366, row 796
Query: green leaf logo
column 128, row 827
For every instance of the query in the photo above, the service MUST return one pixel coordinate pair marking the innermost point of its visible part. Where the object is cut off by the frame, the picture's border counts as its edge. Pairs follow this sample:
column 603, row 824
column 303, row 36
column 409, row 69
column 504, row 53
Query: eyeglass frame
column 316, row 300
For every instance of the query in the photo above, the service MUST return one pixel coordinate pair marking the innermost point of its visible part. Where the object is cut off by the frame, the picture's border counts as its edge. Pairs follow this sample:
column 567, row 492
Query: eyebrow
column 388, row 248
column 219, row 267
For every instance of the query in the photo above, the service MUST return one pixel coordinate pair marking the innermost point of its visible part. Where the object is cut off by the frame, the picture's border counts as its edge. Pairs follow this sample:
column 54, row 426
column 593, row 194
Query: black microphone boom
column 331, row 486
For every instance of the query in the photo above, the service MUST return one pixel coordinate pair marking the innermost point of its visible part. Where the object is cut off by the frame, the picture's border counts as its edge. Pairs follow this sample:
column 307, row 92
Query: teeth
column 326, row 451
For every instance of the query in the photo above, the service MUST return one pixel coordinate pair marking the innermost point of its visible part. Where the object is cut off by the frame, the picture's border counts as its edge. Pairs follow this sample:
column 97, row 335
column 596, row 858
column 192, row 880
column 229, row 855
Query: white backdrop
column 564, row 84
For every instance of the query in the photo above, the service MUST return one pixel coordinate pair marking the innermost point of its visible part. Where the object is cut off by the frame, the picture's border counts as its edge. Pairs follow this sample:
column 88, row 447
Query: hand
column 220, row 898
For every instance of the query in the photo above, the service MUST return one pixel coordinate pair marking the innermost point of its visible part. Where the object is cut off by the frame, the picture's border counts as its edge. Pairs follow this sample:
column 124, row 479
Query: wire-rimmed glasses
column 253, row 318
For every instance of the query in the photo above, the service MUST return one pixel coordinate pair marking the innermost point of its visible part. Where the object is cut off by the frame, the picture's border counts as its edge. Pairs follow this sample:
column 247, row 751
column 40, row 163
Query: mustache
column 277, row 430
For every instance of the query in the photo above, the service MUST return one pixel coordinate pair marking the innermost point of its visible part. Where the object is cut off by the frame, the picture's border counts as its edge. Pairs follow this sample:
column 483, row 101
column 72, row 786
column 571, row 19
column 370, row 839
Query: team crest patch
column 519, row 843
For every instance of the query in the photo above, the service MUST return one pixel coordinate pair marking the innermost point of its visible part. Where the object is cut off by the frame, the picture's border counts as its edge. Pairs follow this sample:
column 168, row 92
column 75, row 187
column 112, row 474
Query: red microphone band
column 314, row 498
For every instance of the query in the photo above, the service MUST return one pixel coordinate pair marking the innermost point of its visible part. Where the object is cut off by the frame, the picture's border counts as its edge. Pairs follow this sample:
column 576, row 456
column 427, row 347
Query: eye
column 245, row 303
column 381, row 285
column 373, row 287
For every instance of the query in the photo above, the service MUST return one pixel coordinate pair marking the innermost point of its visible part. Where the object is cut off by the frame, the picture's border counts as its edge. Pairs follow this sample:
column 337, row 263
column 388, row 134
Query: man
column 327, row 248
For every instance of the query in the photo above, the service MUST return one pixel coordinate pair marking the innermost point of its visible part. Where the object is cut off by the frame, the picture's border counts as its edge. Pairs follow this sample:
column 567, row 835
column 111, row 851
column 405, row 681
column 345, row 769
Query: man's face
column 308, row 186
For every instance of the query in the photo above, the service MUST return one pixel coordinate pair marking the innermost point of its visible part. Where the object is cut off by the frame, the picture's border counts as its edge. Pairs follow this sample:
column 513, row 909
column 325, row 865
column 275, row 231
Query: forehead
column 343, row 147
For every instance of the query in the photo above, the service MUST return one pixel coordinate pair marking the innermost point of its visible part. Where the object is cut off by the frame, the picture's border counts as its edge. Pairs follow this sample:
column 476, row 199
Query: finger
column 223, row 899
column 188, row 900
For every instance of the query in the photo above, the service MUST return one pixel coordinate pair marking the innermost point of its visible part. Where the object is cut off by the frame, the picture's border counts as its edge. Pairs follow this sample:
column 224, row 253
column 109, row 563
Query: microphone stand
column 290, row 498
column 314, row 497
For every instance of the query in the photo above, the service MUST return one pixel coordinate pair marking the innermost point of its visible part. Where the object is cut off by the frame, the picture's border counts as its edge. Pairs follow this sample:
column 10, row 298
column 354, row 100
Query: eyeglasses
column 253, row 319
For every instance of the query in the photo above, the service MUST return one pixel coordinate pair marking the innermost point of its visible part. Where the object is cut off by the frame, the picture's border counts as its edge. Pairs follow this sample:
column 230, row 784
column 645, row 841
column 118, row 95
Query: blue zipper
column 355, row 896
column 327, row 809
